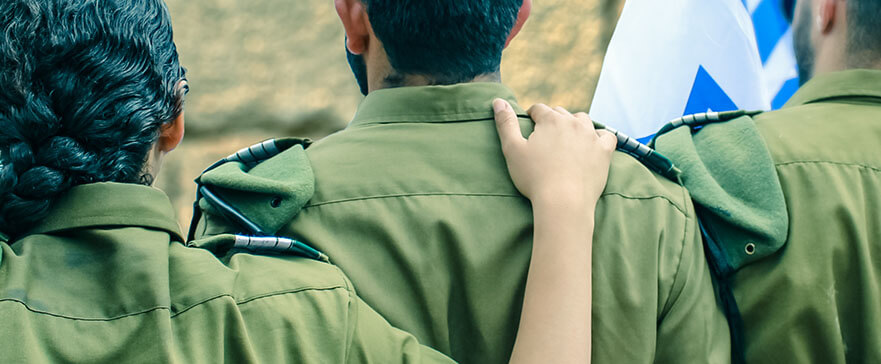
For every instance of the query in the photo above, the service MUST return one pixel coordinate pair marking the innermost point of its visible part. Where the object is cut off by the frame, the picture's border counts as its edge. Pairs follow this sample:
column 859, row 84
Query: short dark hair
column 86, row 84
column 448, row 41
column 864, row 31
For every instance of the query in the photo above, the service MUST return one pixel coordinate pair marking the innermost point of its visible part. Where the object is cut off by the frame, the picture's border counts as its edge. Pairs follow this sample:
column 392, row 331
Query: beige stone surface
column 276, row 67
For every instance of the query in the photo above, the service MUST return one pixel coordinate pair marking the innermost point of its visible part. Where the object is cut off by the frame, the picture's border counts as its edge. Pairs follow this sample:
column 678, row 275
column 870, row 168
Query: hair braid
column 87, row 83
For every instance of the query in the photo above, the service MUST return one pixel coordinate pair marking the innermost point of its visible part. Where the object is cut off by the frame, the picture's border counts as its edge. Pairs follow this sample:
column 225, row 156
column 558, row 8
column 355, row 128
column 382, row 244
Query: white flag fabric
column 774, row 37
column 677, row 57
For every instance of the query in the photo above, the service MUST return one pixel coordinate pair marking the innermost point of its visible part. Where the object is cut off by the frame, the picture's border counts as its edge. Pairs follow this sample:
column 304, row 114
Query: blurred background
column 271, row 68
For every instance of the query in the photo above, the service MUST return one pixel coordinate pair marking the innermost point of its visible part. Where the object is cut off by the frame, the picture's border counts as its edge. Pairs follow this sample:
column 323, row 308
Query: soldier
column 93, row 267
column 817, row 299
column 789, row 200
column 412, row 200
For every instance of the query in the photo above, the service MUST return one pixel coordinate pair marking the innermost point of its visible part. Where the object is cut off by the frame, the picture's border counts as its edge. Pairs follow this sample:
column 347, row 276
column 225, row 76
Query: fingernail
column 499, row 105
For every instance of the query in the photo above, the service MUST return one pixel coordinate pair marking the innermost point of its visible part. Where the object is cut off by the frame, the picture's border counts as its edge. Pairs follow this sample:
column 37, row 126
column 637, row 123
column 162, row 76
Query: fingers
column 507, row 124
column 585, row 119
column 562, row 111
column 607, row 140
column 541, row 113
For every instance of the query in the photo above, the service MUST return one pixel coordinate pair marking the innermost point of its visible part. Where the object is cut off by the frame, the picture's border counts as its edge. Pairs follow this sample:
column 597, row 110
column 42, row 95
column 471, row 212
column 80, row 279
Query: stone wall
column 259, row 69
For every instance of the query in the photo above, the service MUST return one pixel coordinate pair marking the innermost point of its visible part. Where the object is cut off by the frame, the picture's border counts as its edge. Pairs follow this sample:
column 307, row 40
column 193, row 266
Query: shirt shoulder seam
column 500, row 195
column 841, row 164
column 174, row 313
column 679, row 264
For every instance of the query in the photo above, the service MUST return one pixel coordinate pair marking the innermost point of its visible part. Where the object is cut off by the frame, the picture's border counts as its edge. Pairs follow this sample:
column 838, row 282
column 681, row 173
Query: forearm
column 556, row 315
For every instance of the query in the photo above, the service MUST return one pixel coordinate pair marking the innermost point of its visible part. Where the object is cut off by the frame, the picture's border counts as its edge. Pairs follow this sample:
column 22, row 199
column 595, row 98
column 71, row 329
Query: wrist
column 561, row 201
column 565, row 212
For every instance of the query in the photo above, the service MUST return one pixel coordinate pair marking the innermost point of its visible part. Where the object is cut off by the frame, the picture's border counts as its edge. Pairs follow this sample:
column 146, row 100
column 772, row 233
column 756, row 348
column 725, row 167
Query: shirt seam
column 501, row 195
column 352, row 301
column 453, row 118
column 857, row 93
column 157, row 223
column 405, row 119
column 399, row 195
column 842, row 164
column 668, row 305
column 167, row 308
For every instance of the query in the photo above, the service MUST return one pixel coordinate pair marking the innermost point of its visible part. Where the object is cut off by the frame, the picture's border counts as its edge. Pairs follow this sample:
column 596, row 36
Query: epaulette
column 700, row 120
column 253, row 155
column 737, row 225
column 646, row 155
column 225, row 244
column 658, row 162
column 256, row 236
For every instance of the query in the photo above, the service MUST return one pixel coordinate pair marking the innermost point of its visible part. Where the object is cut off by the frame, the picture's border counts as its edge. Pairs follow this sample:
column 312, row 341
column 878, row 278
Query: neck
column 832, row 57
column 865, row 60
column 395, row 80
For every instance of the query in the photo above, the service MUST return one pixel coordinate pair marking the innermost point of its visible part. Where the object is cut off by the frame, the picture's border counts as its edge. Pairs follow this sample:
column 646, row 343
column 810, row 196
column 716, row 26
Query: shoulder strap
column 656, row 161
column 222, row 245
column 246, row 159
column 700, row 120
column 732, row 211
column 646, row 155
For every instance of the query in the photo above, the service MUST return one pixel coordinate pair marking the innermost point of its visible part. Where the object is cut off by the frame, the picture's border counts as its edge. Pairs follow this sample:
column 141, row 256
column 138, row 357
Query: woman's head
column 86, row 86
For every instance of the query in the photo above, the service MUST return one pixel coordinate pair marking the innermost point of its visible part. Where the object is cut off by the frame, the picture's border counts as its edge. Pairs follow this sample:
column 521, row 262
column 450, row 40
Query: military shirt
column 105, row 279
column 414, row 202
column 818, row 299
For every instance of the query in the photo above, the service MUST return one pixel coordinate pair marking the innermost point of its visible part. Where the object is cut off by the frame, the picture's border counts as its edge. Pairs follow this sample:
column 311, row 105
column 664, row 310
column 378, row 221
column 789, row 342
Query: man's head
column 832, row 35
column 410, row 42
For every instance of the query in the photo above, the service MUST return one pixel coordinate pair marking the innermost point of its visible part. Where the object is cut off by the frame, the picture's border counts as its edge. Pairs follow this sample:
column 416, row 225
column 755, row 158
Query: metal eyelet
column 750, row 248
column 276, row 202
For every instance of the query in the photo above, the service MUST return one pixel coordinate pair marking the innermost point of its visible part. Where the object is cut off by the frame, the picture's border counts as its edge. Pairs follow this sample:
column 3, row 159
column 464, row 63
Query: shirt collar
column 432, row 104
column 836, row 85
column 111, row 204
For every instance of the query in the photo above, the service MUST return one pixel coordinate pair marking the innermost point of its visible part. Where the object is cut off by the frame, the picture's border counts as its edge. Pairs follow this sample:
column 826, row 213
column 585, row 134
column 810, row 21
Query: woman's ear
column 171, row 134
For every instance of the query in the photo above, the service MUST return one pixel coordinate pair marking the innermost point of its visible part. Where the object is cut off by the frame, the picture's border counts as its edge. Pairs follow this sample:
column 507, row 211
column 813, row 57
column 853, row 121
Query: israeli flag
column 774, row 37
column 678, row 57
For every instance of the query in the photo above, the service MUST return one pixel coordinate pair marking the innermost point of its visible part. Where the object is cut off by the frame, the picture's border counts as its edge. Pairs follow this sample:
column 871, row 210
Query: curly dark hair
column 86, row 84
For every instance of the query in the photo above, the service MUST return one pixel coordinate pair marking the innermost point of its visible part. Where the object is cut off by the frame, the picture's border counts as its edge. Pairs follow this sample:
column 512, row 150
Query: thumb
column 507, row 124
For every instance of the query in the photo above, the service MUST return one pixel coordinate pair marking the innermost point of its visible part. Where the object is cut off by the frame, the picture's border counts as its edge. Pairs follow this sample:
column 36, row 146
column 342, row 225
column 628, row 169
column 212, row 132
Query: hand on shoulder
column 564, row 161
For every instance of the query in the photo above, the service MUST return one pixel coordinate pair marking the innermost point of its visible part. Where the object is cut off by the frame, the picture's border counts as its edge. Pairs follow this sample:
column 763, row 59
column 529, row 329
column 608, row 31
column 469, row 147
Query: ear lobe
column 522, row 16
column 171, row 134
column 353, row 15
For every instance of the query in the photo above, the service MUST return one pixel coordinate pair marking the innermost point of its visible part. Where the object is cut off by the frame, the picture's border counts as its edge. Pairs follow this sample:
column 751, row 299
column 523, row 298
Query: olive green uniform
column 413, row 201
column 105, row 279
column 818, row 299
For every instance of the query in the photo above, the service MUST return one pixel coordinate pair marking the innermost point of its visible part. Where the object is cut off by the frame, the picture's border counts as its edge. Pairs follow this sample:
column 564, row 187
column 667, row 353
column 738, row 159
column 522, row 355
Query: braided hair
column 84, row 87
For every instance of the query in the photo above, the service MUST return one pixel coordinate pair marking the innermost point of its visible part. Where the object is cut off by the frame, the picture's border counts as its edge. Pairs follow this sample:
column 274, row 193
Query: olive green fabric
column 818, row 300
column 270, row 197
column 728, row 171
column 105, row 279
column 413, row 201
